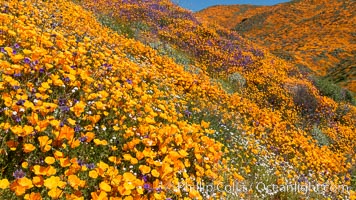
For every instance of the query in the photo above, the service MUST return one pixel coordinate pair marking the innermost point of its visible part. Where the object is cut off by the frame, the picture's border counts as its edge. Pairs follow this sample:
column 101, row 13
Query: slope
column 89, row 111
column 318, row 35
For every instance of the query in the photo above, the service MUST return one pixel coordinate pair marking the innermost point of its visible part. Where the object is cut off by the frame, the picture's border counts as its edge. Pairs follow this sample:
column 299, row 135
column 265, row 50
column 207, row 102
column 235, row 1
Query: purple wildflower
column 90, row 166
column 83, row 139
column 33, row 63
column 147, row 186
column 16, row 46
column 145, row 178
column 17, row 75
column 302, row 178
column 19, row 174
column 81, row 162
column 100, row 86
column 27, row 60
column 66, row 79
column 16, row 87
column 62, row 101
column 20, row 102
column 187, row 113
column 77, row 128
column 64, row 108
column 16, row 118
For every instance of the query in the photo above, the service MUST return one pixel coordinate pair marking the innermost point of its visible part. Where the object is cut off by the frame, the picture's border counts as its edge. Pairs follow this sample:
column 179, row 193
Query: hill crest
column 313, row 34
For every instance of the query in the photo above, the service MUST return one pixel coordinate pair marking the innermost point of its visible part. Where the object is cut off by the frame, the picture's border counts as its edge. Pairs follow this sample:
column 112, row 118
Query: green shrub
column 180, row 57
column 330, row 89
column 320, row 137
column 237, row 81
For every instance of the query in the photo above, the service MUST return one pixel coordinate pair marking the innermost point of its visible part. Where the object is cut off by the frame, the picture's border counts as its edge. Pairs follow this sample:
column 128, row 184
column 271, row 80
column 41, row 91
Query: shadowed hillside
column 319, row 35
column 137, row 99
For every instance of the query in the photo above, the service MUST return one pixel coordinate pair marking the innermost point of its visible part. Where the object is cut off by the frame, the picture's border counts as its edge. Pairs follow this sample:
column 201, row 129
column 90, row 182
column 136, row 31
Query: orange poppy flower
column 105, row 187
column 144, row 169
column 45, row 143
column 66, row 132
column 28, row 148
column 78, row 108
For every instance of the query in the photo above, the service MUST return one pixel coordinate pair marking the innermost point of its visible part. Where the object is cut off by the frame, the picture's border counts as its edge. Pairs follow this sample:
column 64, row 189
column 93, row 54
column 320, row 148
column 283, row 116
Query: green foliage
column 114, row 24
column 177, row 55
column 225, row 85
column 329, row 89
column 192, row 69
column 237, row 81
column 353, row 177
column 8, row 194
column 303, row 69
column 320, row 137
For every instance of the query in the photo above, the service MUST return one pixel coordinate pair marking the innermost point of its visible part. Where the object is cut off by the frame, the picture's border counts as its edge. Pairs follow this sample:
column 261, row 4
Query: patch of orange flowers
column 87, row 113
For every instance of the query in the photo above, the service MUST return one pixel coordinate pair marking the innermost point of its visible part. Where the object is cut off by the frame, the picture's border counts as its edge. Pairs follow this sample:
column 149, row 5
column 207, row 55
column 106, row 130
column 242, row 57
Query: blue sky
column 196, row 5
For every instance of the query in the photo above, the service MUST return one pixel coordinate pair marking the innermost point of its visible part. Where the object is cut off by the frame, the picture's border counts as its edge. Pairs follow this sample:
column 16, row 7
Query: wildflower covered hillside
column 135, row 99
column 316, row 35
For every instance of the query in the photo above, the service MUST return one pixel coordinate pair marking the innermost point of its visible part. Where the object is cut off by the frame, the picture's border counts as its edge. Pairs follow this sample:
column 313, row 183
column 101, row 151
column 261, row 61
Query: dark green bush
column 320, row 137
column 330, row 89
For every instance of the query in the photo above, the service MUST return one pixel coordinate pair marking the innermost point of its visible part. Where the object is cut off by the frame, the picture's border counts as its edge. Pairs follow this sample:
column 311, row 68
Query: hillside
column 316, row 35
column 136, row 99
